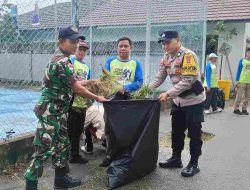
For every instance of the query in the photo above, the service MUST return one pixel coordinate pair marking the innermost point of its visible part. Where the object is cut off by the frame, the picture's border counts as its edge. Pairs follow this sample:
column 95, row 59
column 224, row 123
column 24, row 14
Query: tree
column 8, row 31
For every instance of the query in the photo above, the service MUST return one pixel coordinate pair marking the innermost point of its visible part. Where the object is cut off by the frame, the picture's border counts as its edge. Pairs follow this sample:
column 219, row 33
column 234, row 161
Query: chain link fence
column 28, row 37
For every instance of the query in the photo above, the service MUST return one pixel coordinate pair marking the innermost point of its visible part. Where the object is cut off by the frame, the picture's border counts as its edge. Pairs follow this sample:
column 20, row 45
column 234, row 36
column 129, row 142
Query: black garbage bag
column 220, row 99
column 134, row 125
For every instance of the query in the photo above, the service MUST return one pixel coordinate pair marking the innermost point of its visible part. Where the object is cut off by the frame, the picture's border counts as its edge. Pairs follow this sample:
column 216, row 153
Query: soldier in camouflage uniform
column 188, row 95
column 51, row 138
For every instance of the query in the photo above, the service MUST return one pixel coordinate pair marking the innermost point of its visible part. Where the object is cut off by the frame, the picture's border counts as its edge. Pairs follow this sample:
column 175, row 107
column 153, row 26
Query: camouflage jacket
column 56, row 91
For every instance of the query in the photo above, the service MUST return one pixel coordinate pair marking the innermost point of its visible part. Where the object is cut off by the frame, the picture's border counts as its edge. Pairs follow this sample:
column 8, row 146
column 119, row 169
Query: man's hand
column 208, row 90
column 164, row 96
column 92, row 81
column 121, row 90
column 101, row 99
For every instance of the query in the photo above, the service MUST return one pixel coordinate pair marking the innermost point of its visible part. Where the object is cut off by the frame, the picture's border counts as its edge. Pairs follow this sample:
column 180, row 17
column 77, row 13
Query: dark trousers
column 190, row 118
column 211, row 99
column 76, row 120
column 88, row 138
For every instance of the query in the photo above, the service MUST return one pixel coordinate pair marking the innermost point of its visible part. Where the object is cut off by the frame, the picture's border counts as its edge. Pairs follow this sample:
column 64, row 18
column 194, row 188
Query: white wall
column 247, row 33
column 238, row 48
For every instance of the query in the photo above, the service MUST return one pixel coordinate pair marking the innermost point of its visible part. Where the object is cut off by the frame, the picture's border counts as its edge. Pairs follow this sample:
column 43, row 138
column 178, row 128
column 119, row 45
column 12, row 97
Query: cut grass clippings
column 166, row 139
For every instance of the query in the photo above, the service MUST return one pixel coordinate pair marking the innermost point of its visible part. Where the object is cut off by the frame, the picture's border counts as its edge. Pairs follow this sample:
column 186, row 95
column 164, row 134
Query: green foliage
column 142, row 93
column 8, row 33
column 222, row 27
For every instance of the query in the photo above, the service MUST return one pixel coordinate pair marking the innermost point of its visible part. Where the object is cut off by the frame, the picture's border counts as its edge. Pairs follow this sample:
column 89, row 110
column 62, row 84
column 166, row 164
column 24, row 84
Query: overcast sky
column 24, row 6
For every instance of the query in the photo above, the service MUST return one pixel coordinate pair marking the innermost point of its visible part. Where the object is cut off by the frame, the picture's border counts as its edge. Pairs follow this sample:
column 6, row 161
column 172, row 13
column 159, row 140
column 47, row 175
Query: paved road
column 225, row 163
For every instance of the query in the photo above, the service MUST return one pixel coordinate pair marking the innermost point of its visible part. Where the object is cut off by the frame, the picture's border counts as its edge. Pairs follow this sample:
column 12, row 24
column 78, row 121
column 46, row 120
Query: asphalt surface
column 225, row 163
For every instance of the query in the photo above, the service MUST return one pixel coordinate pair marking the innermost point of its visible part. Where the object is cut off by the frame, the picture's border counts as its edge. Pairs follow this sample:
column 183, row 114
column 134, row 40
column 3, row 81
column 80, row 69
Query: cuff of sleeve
column 151, row 86
column 126, row 89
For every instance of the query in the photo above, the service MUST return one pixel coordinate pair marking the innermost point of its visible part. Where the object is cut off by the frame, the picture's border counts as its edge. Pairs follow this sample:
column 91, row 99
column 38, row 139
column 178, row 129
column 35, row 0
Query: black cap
column 168, row 35
column 70, row 32
column 248, row 49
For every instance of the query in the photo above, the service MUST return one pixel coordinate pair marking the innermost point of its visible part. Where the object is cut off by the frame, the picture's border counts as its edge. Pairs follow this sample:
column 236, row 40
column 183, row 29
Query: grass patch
column 166, row 139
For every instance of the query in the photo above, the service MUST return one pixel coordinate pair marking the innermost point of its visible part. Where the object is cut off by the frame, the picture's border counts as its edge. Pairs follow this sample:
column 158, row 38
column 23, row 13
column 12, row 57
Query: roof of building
column 130, row 12
column 228, row 10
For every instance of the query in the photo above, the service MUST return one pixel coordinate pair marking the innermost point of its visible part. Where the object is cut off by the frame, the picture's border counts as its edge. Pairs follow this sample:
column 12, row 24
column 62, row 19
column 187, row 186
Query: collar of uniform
column 80, row 61
column 178, row 54
column 61, row 53
column 123, row 60
column 180, row 51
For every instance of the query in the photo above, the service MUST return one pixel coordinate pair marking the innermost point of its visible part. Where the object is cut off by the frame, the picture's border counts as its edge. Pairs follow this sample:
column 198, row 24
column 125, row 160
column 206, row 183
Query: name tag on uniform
column 178, row 61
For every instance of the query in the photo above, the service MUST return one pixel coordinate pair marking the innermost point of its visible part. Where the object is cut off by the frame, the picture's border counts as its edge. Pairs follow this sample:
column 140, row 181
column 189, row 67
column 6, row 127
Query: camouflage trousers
column 51, row 140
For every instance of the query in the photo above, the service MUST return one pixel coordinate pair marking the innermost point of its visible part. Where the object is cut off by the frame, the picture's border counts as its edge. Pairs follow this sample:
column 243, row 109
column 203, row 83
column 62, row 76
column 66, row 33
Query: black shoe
column 67, row 169
column 65, row 181
column 104, row 144
column 190, row 170
column 173, row 162
column 77, row 159
column 237, row 112
column 245, row 112
column 31, row 185
column 105, row 163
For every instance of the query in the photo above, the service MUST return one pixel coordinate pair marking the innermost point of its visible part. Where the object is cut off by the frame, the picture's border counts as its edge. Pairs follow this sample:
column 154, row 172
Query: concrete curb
column 16, row 150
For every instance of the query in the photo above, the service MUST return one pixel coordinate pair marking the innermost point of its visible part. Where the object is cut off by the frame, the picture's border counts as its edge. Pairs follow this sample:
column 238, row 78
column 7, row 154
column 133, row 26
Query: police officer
column 188, row 96
column 243, row 84
column 77, row 112
column 128, row 71
column 51, row 137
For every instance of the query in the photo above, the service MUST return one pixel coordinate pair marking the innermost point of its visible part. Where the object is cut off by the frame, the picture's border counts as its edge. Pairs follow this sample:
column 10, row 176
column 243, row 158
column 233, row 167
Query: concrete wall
column 28, row 67
column 39, row 63
column 238, row 48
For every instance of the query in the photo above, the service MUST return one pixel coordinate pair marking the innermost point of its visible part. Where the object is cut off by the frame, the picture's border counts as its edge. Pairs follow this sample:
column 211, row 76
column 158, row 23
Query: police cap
column 168, row 35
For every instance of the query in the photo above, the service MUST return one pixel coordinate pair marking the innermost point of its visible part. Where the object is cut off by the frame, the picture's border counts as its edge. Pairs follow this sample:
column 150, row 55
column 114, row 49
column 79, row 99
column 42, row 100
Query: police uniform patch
column 178, row 71
column 190, row 67
column 178, row 61
column 188, row 58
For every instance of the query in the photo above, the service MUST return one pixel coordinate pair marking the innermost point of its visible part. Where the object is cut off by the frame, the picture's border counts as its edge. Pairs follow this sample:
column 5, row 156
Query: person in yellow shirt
column 211, row 84
column 77, row 112
column 243, row 85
